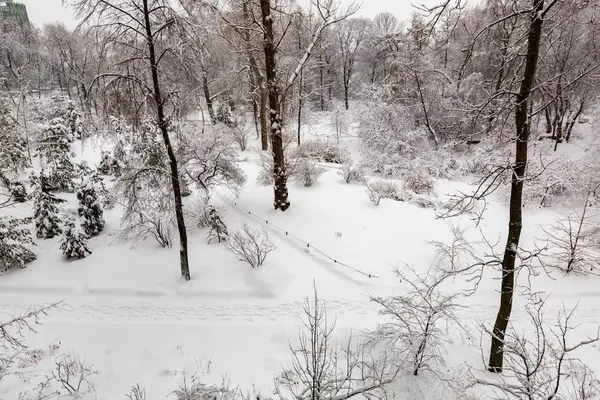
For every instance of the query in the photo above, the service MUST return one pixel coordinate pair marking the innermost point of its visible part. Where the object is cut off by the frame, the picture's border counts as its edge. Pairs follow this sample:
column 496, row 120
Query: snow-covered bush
column 194, row 389
column 420, row 319
column 351, row 172
column 46, row 215
column 218, row 229
column 308, row 172
column 90, row 209
column 418, row 181
column 322, row 151
column 157, row 224
column 18, row 192
column 73, row 374
column 381, row 189
column 14, row 237
column 211, row 160
column 250, row 246
column 73, row 244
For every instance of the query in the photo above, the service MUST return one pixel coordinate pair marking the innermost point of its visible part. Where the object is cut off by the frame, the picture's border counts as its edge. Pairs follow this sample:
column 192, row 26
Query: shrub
column 18, row 192
column 418, row 181
column 74, row 243
column 323, row 151
column 90, row 209
column 13, row 238
column 380, row 189
column 250, row 246
column 352, row 173
column 308, row 172
column 218, row 229
column 240, row 136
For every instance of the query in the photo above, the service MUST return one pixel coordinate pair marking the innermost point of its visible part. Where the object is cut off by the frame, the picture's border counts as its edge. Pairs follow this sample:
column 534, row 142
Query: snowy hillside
column 280, row 200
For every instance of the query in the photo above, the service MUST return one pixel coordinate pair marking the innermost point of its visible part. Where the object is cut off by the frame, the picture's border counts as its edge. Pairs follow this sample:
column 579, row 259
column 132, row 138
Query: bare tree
column 321, row 371
column 420, row 318
column 145, row 24
column 544, row 366
column 351, row 35
column 569, row 240
column 515, row 223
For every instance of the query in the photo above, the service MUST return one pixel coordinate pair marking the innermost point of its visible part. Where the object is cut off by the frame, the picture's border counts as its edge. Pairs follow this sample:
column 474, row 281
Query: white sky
column 44, row 11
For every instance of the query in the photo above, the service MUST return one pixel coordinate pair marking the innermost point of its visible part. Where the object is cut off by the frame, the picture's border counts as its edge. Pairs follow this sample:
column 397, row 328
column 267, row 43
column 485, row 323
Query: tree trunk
column 571, row 123
column 548, row 120
column 264, row 119
column 280, row 187
column 162, row 124
column 321, row 81
column 300, row 83
column 346, row 84
column 516, row 193
column 207, row 98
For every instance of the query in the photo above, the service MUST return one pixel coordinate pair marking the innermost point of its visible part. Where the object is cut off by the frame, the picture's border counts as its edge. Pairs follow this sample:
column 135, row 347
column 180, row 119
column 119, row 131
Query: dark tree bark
column 573, row 120
column 300, row 84
column 264, row 118
column 516, row 193
column 257, row 87
column 162, row 124
column 207, row 98
column 300, row 87
column 280, row 201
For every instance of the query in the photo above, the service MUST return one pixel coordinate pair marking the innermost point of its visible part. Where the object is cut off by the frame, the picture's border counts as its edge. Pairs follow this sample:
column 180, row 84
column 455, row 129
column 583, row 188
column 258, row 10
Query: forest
column 273, row 199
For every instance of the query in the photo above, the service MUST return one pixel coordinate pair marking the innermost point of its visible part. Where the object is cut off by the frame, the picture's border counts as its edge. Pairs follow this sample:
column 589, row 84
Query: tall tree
column 328, row 12
column 515, row 222
column 142, row 28
column 351, row 34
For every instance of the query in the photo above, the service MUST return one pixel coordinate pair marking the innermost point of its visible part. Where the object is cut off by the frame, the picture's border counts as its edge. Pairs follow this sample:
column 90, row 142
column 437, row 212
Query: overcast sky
column 44, row 11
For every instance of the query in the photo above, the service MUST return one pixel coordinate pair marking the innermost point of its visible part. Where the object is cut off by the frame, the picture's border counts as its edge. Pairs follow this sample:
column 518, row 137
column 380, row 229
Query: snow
column 127, row 311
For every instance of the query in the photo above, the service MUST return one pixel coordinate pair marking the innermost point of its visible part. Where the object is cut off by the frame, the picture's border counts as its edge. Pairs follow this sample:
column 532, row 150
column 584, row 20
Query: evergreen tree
column 54, row 146
column 14, row 236
column 73, row 244
column 74, row 122
column 47, row 221
column 13, row 148
column 18, row 192
column 90, row 209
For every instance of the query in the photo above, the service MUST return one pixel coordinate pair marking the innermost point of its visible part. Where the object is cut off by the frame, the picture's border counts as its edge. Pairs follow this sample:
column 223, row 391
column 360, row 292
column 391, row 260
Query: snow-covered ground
column 127, row 312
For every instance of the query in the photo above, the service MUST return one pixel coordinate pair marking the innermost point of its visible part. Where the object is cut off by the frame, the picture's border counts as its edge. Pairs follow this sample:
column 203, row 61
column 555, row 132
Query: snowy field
column 125, row 310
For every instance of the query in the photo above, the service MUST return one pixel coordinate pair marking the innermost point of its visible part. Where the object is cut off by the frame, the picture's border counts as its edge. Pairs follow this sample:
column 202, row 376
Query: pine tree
column 13, row 148
column 14, row 236
column 73, row 244
column 55, row 147
column 74, row 122
column 90, row 209
column 47, row 221
column 18, row 192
